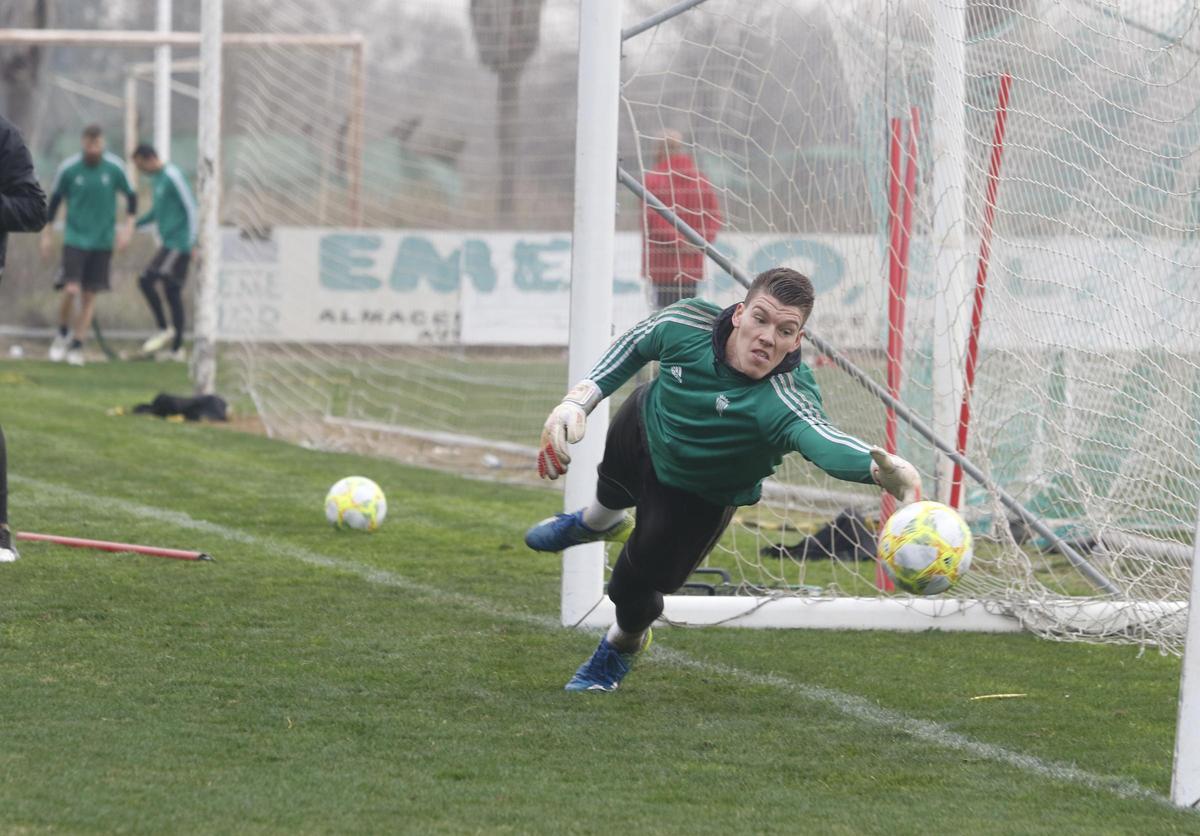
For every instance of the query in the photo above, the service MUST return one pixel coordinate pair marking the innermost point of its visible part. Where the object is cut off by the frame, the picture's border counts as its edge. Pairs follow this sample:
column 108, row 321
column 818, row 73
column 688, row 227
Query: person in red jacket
column 672, row 264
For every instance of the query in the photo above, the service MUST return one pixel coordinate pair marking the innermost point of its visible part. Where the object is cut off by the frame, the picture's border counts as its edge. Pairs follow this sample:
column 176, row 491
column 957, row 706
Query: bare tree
column 506, row 35
column 20, row 65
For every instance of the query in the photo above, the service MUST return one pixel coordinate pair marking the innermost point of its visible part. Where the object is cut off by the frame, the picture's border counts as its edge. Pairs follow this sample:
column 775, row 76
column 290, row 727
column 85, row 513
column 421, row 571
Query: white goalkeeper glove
column 895, row 475
column 566, row 425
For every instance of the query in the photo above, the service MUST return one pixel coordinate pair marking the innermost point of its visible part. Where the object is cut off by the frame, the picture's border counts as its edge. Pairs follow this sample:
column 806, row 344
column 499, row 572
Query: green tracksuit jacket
column 174, row 210
column 712, row 430
column 91, row 195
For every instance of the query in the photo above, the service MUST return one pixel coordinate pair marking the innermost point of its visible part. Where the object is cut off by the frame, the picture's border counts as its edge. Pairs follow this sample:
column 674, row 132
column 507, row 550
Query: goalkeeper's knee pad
column 638, row 603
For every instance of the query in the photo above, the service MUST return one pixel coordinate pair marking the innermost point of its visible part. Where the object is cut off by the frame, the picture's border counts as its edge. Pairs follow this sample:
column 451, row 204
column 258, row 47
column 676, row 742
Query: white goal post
column 1185, row 778
column 592, row 267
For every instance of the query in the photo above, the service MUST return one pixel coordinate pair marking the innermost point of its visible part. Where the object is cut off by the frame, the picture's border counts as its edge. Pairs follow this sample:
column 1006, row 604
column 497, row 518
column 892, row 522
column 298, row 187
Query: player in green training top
column 731, row 399
column 174, row 211
column 88, row 182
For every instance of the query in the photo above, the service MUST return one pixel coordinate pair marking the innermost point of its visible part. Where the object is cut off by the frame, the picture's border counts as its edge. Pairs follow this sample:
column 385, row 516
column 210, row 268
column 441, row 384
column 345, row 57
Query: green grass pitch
column 411, row 680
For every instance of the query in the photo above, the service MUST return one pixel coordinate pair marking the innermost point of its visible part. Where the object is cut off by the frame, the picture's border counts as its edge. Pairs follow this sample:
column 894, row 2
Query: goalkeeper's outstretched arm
column 845, row 457
column 803, row 427
column 568, row 421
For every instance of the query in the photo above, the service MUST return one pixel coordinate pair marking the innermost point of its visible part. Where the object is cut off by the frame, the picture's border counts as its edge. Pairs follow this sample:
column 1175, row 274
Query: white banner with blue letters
column 513, row 288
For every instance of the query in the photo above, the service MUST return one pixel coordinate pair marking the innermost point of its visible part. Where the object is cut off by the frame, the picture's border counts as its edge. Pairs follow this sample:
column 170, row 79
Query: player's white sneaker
column 158, row 341
column 75, row 356
column 58, row 348
column 8, row 552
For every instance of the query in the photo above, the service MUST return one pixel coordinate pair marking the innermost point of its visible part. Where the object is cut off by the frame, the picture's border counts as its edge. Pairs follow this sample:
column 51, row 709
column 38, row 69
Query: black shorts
column 675, row 529
column 86, row 268
column 169, row 265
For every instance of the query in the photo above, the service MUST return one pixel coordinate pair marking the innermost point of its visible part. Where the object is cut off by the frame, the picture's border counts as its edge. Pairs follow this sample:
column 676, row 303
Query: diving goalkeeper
column 731, row 398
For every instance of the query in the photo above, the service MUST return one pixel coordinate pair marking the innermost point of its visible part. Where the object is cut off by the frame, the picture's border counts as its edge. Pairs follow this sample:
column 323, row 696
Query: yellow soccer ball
column 355, row 502
column 925, row 548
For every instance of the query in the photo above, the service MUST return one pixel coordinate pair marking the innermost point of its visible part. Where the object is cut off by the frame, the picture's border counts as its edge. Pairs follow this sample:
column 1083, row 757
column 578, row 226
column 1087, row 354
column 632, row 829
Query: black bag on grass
column 202, row 408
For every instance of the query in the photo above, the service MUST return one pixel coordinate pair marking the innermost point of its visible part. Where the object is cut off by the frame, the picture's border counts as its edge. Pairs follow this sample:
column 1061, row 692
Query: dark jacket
column 22, row 201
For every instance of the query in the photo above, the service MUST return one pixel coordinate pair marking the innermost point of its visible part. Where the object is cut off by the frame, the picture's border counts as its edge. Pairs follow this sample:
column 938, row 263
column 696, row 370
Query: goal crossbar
column 134, row 38
column 659, row 17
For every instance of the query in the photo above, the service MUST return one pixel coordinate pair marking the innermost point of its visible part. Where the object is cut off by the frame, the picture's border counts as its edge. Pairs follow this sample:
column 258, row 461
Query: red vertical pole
column 900, row 220
column 886, row 503
column 981, row 271
column 893, row 360
column 906, row 212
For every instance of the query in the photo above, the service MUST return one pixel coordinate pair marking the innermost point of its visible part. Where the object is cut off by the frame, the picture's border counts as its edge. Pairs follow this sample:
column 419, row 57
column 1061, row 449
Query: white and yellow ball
column 355, row 502
column 925, row 548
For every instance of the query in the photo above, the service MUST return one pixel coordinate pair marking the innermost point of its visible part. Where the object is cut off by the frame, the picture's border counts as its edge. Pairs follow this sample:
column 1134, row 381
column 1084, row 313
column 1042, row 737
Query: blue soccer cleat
column 565, row 530
column 605, row 669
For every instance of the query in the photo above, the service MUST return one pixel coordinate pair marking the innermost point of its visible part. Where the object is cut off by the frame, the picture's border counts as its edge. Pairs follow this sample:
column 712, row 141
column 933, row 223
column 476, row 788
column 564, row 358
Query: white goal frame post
column 1185, row 778
column 211, row 41
column 584, row 603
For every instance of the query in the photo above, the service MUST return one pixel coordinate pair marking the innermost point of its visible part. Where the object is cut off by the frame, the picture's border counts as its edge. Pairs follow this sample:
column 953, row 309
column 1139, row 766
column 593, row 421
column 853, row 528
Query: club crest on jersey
column 677, row 373
column 722, row 404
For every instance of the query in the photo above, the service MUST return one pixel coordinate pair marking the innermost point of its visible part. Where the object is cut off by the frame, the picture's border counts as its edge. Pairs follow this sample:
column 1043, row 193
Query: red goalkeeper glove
column 566, row 425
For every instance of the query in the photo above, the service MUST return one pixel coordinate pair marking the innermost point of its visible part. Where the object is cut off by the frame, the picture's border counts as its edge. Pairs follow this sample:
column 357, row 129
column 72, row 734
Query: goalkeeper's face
column 764, row 332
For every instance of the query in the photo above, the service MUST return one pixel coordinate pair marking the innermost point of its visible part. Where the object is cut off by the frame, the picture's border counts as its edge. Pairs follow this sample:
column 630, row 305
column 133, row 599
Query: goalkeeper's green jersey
column 712, row 430
column 91, row 195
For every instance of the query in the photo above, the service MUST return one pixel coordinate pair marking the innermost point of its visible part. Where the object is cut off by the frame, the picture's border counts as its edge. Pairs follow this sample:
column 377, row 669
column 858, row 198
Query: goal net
column 396, row 277
column 1084, row 403
column 395, row 274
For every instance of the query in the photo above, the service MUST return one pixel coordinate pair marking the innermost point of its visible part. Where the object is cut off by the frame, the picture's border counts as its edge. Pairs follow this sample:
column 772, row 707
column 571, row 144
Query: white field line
column 849, row 705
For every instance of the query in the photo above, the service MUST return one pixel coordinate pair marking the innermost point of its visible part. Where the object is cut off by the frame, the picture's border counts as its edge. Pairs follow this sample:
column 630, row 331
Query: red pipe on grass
column 107, row 546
